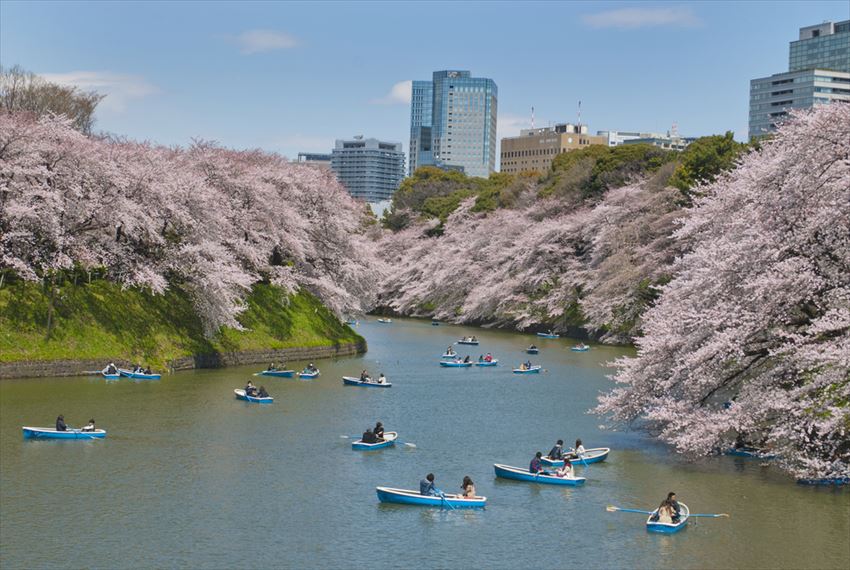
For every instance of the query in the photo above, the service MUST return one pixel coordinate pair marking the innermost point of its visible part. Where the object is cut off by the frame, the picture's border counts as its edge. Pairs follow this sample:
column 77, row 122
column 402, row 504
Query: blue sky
column 292, row 77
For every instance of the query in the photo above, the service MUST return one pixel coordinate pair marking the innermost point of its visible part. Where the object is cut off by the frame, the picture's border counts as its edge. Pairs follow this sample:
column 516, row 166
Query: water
column 190, row 477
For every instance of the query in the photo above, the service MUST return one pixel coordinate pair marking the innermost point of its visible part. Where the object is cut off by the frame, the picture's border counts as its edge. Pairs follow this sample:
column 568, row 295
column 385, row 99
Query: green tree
column 704, row 159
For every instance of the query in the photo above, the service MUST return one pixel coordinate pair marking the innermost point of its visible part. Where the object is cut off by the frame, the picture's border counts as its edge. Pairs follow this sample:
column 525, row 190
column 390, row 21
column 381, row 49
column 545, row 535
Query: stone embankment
column 32, row 369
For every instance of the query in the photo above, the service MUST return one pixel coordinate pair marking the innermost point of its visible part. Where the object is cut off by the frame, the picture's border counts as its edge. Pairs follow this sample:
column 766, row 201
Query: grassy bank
column 100, row 320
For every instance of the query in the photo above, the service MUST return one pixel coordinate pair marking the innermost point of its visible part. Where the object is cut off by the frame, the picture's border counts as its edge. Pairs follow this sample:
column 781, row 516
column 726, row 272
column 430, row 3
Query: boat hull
column 349, row 381
column 241, row 395
column 532, row 370
column 749, row 452
column 389, row 441
column 308, row 375
column 449, row 364
column 138, row 375
column 278, row 373
column 407, row 497
column 532, row 350
column 830, row 481
column 111, row 376
column 494, row 362
column 577, row 349
column 51, row 433
column 590, row 456
column 669, row 528
column 547, row 335
column 469, row 342
column 519, row 474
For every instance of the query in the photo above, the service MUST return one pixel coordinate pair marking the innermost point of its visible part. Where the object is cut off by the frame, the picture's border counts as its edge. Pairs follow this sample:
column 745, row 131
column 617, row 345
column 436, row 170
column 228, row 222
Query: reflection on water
column 189, row 476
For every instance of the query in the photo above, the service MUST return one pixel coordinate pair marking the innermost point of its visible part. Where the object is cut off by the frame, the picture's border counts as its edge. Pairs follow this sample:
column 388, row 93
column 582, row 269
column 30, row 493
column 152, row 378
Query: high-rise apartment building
column 455, row 127
column 535, row 149
column 368, row 168
column 818, row 74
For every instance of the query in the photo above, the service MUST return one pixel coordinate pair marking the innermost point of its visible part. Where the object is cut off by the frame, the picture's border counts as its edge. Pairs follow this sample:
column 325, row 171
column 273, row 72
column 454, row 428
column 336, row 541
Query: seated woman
column 566, row 470
column 261, row 393
column 480, row 358
column 468, row 488
column 665, row 513
column 382, row 379
column 148, row 370
column 271, row 367
column 89, row 426
column 250, row 389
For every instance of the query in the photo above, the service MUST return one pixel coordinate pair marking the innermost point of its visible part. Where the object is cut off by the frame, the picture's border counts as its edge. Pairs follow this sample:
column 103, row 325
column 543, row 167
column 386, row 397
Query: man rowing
column 557, row 452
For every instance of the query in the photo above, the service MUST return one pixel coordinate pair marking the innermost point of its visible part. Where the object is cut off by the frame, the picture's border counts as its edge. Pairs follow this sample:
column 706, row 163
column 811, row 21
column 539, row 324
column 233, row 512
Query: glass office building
column 818, row 74
column 368, row 168
column 461, row 134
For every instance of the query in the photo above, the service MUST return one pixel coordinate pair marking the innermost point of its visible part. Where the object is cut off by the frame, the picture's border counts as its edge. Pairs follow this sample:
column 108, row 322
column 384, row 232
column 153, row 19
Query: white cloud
column 399, row 94
column 118, row 88
column 631, row 18
column 258, row 41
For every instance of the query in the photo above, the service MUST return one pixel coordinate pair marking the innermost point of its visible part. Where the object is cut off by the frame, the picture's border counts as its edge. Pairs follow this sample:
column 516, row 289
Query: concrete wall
column 33, row 369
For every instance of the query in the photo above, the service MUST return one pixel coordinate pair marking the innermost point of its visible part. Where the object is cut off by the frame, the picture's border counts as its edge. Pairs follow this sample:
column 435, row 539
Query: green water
column 190, row 477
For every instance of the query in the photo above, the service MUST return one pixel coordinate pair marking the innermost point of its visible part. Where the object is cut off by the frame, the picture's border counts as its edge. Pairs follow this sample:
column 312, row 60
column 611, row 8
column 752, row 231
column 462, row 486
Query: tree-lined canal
column 190, row 477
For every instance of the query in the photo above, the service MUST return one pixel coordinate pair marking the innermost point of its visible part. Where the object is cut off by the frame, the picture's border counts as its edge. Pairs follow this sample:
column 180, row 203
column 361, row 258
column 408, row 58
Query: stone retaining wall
column 32, row 369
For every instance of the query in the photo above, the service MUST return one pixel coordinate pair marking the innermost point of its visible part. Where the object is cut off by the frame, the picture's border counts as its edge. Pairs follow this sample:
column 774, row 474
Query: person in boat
column 364, row 376
column 261, row 393
column 111, row 368
column 148, row 370
column 665, row 513
column 528, row 365
column 522, row 366
column 250, row 389
column 474, row 339
column 60, row 423
column 379, row 431
column 565, row 470
column 557, row 452
column 271, row 367
column 382, row 379
column 480, row 358
column 89, row 426
column 450, row 350
column 532, row 347
column 312, row 368
column 426, row 486
column 578, row 451
column 536, row 466
column 466, row 360
column 674, row 504
column 468, row 488
column 488, row 357
column 369, row 436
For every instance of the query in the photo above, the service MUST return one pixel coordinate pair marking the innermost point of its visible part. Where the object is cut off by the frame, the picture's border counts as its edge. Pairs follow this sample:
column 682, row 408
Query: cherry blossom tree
column 210, row 220
column 751, row 338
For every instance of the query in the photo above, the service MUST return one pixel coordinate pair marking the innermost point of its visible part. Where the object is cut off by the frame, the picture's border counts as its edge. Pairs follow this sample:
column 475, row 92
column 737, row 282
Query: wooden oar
column 613, row 509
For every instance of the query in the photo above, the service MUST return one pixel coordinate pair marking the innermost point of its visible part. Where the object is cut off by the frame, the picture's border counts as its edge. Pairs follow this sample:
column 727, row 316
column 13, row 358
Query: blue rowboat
column 115, row 376
column 549, row 335
column 389, row 441
column 308, row 374
column 494, row 362
column 51, row 433
column 277, row 373
column 533, row 370
column 139, row 375
column 350, row 322
column 241, row 395
column 385, row 321
column 449, row 356
column 351, row 381
column 468, row 341
column 435, row 323
column 669, row 528
column 406, row 497
column 590, row 456
column 455, row 364
column 582, row 348
column 837, row 481
column 530, row 350
column 749, row 452
column 519, row 474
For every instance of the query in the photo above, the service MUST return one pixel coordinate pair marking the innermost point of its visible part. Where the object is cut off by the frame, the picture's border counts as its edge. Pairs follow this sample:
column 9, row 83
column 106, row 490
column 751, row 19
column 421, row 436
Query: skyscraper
column 368, row 168
column 453, row 123
column 818, row 73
